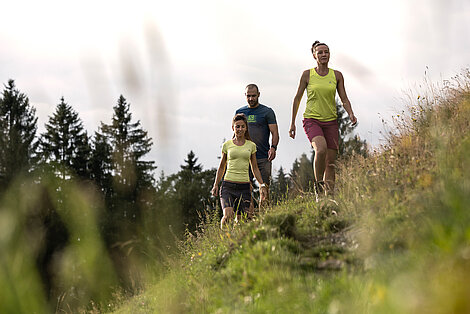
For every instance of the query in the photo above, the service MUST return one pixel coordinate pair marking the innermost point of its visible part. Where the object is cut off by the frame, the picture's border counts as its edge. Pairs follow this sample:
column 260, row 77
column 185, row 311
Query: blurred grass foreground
column 395, row 240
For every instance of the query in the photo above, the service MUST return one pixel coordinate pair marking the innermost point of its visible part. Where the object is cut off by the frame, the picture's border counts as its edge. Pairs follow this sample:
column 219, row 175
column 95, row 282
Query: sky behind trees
column 183, row 65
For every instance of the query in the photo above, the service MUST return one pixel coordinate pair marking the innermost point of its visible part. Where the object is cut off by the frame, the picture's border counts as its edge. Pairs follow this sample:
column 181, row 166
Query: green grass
column 84, row 273
column 397, row 241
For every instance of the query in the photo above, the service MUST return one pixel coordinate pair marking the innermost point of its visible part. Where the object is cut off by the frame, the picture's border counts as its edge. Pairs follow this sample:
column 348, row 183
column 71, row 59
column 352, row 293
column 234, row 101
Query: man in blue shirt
column 261, row 124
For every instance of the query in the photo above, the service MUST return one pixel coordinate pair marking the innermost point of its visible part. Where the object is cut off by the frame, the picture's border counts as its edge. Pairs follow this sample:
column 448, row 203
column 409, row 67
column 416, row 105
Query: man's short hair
column 252, row 86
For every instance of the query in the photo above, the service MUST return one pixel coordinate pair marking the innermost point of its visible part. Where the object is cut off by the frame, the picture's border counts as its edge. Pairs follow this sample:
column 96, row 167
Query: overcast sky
column 183, row 65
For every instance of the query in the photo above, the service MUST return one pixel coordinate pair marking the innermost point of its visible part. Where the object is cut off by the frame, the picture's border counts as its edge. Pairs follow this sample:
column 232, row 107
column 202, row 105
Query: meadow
column 394, row 239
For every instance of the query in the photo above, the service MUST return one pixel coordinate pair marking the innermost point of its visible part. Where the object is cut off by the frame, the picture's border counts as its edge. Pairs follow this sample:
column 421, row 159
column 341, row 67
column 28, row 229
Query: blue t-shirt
column 258, row 120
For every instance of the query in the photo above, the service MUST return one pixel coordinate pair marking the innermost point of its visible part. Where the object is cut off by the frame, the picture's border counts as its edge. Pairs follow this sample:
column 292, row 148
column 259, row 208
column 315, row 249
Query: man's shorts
column 236, row 195
column 265, row 168
column 329, row 130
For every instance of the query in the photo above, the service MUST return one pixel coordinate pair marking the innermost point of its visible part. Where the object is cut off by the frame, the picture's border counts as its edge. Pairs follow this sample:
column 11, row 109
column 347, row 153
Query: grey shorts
column 264, row 166
column 236, row 195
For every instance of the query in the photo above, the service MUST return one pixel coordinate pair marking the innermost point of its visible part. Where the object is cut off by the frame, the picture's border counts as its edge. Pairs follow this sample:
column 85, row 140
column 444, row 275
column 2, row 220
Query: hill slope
column 397, row 240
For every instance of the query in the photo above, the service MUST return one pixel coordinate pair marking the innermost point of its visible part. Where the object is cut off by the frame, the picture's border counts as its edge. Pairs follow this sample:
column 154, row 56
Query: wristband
column 274, row 146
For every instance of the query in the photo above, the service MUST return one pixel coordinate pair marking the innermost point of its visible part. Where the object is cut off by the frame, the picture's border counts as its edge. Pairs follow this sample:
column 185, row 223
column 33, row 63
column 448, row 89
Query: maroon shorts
column 329, row 130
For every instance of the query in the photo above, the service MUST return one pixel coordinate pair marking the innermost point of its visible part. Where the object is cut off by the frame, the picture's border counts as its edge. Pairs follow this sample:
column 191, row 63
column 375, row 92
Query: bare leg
column 228, row 215
column 329, row 176
column 251, row 210
column 319, row 164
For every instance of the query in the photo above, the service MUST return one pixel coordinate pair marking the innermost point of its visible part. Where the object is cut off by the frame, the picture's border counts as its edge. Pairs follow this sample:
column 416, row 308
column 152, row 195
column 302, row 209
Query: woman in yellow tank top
column 320, row 116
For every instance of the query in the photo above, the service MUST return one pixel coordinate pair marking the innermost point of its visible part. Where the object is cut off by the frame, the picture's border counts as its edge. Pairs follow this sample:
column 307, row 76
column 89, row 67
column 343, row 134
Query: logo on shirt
column 251, row 118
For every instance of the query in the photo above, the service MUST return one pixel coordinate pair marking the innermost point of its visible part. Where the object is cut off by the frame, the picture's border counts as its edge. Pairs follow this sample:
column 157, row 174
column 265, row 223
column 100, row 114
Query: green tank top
column 321, row 92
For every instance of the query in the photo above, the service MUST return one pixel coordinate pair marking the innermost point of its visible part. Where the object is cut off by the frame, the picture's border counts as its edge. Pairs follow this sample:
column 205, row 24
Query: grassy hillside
column 397, row 240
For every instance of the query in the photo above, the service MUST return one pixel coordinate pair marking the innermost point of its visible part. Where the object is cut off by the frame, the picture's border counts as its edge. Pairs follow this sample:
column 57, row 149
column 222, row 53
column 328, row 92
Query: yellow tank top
column 321, row 92
column 238, row 160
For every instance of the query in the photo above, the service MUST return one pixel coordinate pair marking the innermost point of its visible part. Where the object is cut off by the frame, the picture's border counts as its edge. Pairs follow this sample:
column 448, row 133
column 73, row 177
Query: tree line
column 140, row 209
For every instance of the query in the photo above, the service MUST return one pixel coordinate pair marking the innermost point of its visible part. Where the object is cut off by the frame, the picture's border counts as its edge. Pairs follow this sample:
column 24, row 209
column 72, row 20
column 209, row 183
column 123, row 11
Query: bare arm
column 274, row 140
column 257, row 174
column 298, row 97
column 344, row 98
column 220, row 173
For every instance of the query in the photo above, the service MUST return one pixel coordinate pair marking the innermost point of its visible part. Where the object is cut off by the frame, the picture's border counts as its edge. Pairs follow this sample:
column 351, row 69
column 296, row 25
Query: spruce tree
column 302, row 174
column 132, row 176
column 192, row 189
column 101, row 164
column 64, row 152
column 130, row 143
column 191, row 167
column 348, row 145
column 18, row 126
column 280, row 186
column 64, row 146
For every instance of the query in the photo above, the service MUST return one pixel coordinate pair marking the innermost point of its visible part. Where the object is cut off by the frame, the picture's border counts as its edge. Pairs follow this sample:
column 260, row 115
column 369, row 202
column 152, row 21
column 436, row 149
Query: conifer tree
column 101, row 164
column 192, row 188
column 131, row 175
column 18, row 126
column 65, row 144
column 302, row 174
column 130, row 143
column 280, row 186
column 64, row 151
column 348, row 145
column 191, row 167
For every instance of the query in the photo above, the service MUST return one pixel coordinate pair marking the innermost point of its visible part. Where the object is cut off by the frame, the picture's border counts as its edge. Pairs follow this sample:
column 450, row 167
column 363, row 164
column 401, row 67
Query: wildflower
column 379, row 294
